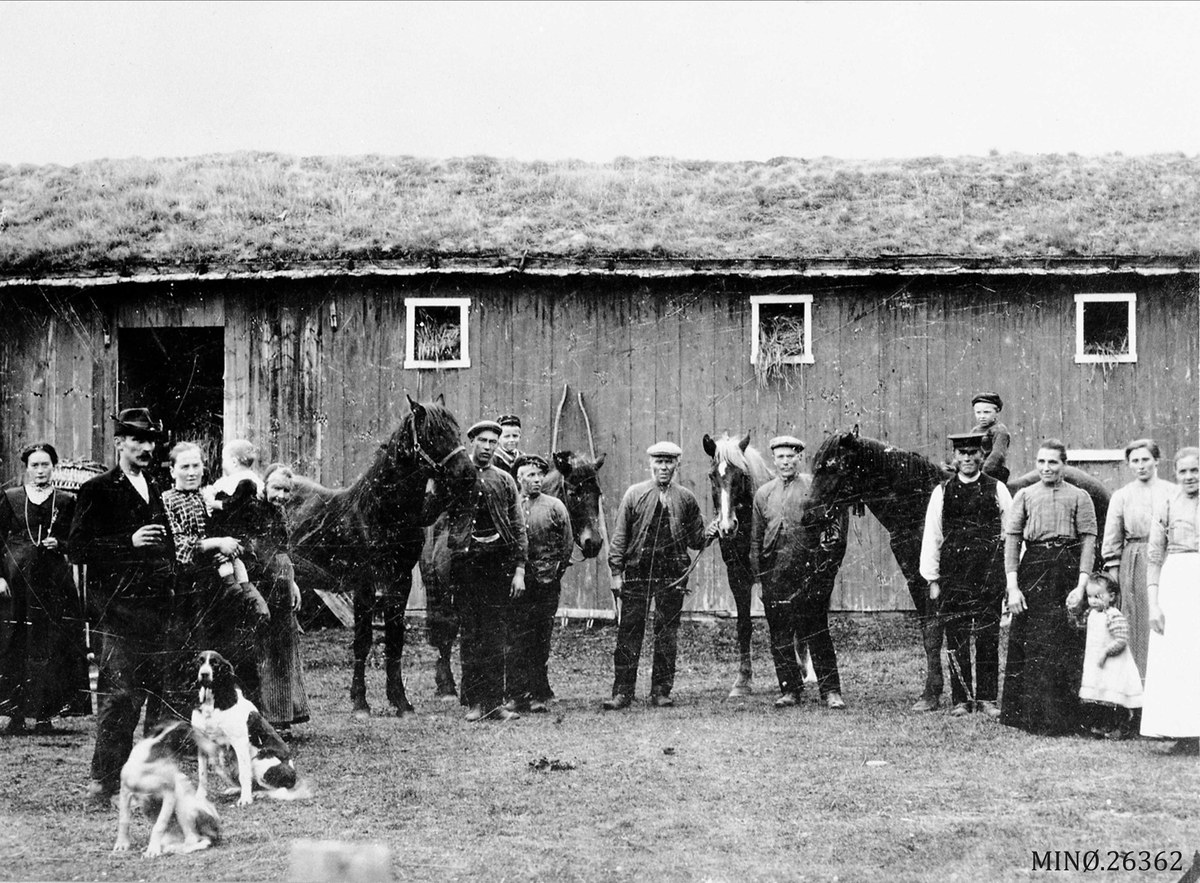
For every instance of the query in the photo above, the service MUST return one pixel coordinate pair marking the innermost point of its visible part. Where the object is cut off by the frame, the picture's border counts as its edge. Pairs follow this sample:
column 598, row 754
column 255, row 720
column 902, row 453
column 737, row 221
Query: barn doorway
column 179, row 374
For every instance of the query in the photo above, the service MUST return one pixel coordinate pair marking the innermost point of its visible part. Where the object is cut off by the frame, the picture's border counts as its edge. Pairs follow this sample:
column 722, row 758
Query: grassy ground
column 199, row 213
column 713, row 789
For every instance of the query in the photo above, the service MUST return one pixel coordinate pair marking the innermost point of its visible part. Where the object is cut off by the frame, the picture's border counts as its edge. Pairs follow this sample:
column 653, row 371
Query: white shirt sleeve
column 931, row 542
column 1004, row 498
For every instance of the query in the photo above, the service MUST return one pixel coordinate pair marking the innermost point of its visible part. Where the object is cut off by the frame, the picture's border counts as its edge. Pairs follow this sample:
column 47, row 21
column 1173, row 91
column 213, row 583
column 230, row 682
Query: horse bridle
column 436, row 466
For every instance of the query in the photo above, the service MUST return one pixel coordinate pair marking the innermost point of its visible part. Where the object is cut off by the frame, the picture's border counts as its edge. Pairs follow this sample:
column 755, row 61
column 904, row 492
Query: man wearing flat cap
column 987, row 407
column 507, row 451
column 781, row 559
column 121, row 532
column 488, row 547
column 531, row 616
column 656, row 524
column 962, row 558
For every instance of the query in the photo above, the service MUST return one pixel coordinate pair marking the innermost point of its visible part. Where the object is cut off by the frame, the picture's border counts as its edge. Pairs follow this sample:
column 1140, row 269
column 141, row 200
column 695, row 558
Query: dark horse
column 573, row 480
column 737, row 472
column 367, row 537
column 853, row 470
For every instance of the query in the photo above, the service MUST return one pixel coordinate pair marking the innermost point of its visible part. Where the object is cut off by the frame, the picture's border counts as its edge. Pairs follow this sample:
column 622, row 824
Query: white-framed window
column 782, row 329
column 437, row 332
column 1105, row 328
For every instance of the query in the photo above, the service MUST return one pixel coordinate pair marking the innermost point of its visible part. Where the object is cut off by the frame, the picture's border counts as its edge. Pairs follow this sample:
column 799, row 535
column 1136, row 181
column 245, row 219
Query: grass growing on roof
column 263, row 207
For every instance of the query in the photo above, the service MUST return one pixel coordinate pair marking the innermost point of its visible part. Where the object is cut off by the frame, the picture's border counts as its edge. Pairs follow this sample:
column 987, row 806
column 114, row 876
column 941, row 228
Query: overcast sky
column 595, row 81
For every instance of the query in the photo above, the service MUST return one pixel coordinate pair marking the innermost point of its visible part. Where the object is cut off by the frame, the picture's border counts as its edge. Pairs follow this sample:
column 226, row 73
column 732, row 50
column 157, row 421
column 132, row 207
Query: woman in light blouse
column 1171, row 703
column 1057, row 522
column 1126, row 532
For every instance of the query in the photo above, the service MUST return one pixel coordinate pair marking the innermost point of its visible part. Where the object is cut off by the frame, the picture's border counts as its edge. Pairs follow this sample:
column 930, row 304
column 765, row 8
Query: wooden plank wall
column 657, row 358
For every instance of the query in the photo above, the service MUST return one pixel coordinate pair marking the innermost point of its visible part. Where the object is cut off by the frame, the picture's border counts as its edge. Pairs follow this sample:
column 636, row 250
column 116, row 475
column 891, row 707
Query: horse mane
column 911, row 466
column 749, row 461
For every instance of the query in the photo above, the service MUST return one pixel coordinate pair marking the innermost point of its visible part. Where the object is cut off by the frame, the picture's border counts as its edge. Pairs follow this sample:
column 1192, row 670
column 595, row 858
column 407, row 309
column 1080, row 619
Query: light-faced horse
column 738, row 470
column 850, row 470
column 366, row 538
column 573, row 480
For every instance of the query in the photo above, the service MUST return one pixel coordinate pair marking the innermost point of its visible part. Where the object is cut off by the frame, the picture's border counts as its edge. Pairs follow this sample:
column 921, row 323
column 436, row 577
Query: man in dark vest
column 962, row 557
column 488, row 546
column 121, row 532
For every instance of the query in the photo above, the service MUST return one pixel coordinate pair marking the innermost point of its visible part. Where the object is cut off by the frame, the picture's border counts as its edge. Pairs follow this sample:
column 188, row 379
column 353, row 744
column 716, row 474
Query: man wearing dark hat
column 781, row 561
column 962, row 558
column 987, row 407
column 488, row 547
column 507, row 451
column 656, row 524
column 531, row 616
column 121, row 532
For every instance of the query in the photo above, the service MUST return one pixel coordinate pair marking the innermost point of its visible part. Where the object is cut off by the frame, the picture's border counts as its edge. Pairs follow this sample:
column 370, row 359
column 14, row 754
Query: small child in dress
column 987, row 407
column 231, row 500
column 1111, row 684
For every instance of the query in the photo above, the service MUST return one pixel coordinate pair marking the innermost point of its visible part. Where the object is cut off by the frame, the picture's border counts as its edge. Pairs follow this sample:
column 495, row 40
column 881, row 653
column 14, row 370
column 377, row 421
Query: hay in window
column 780, row 343
column 437, row 335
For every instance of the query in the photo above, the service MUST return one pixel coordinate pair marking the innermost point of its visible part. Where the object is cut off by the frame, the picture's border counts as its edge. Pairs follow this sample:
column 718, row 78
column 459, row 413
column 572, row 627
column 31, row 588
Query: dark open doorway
column 179, row 374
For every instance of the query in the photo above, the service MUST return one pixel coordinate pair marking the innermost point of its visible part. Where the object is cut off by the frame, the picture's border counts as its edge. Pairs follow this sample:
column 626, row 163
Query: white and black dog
column 226, row 723
column 184, row 820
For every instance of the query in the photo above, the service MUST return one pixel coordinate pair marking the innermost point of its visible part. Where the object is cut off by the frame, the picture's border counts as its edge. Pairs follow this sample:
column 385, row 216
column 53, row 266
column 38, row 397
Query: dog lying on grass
column 230, row 732
column 184, row 821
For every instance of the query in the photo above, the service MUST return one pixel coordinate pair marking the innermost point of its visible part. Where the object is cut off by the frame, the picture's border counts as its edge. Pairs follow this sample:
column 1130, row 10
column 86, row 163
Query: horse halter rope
column 436, row 466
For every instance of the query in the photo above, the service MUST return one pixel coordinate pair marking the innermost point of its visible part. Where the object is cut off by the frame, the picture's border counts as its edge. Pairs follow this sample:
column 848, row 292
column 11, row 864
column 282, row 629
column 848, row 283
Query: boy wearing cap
column 962, row 558
column 488, row 545
column 656, row 524
column 987, row 407
column 531, row 616
column 121, row 532
column 507, row 451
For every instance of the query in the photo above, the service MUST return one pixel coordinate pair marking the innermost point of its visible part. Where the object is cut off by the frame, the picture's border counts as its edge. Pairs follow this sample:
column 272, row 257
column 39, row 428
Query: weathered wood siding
column 657, row 358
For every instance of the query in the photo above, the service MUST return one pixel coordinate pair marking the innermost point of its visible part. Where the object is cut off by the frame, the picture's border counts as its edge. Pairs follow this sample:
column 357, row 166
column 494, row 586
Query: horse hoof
column 741, row 689
column 361, row 712
column 927, row 703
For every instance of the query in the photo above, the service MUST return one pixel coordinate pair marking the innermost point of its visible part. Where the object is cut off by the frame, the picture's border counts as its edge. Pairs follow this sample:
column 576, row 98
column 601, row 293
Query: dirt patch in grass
column 713, row 789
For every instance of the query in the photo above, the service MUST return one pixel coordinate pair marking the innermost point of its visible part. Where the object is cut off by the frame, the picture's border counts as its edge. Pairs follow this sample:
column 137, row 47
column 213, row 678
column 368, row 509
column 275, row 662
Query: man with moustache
column 962, row 558
column 657, row 522
column 121, row 532
column 488, row 546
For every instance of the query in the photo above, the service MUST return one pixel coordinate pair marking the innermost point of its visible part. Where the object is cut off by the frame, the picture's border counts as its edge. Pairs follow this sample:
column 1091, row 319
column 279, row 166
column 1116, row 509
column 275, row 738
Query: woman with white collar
column 43, row 671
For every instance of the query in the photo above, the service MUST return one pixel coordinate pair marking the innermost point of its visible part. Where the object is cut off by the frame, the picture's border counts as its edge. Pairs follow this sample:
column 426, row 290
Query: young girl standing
column 1111, row 685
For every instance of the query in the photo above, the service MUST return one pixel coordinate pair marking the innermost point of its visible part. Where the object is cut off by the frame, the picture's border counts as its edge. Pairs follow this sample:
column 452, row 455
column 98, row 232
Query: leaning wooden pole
column 600, row 502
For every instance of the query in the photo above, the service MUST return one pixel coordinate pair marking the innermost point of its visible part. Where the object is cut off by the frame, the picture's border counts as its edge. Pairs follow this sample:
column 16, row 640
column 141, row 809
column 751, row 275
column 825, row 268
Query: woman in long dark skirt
column 281, row 673
column 1057, row 523
column 43, row 669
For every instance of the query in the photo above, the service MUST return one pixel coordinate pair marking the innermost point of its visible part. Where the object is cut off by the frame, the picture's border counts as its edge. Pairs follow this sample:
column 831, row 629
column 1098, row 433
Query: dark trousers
column 966, row 615
column 808, row 582
column 812, row 629
column 781, row 623
column 481, row 583
column 636, row 594
column 527, row 652
column 135, row 656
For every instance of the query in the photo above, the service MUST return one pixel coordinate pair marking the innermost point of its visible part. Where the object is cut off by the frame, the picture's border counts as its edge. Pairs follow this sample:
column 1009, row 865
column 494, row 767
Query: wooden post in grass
column 339, row 861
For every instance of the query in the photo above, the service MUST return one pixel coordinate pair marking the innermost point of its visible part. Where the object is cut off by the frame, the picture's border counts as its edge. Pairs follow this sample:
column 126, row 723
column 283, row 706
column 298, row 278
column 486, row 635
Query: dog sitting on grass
column 230, row 732
column 184, row 821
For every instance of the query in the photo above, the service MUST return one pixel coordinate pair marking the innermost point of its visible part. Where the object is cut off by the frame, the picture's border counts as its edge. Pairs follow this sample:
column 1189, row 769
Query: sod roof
column 201, row 214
